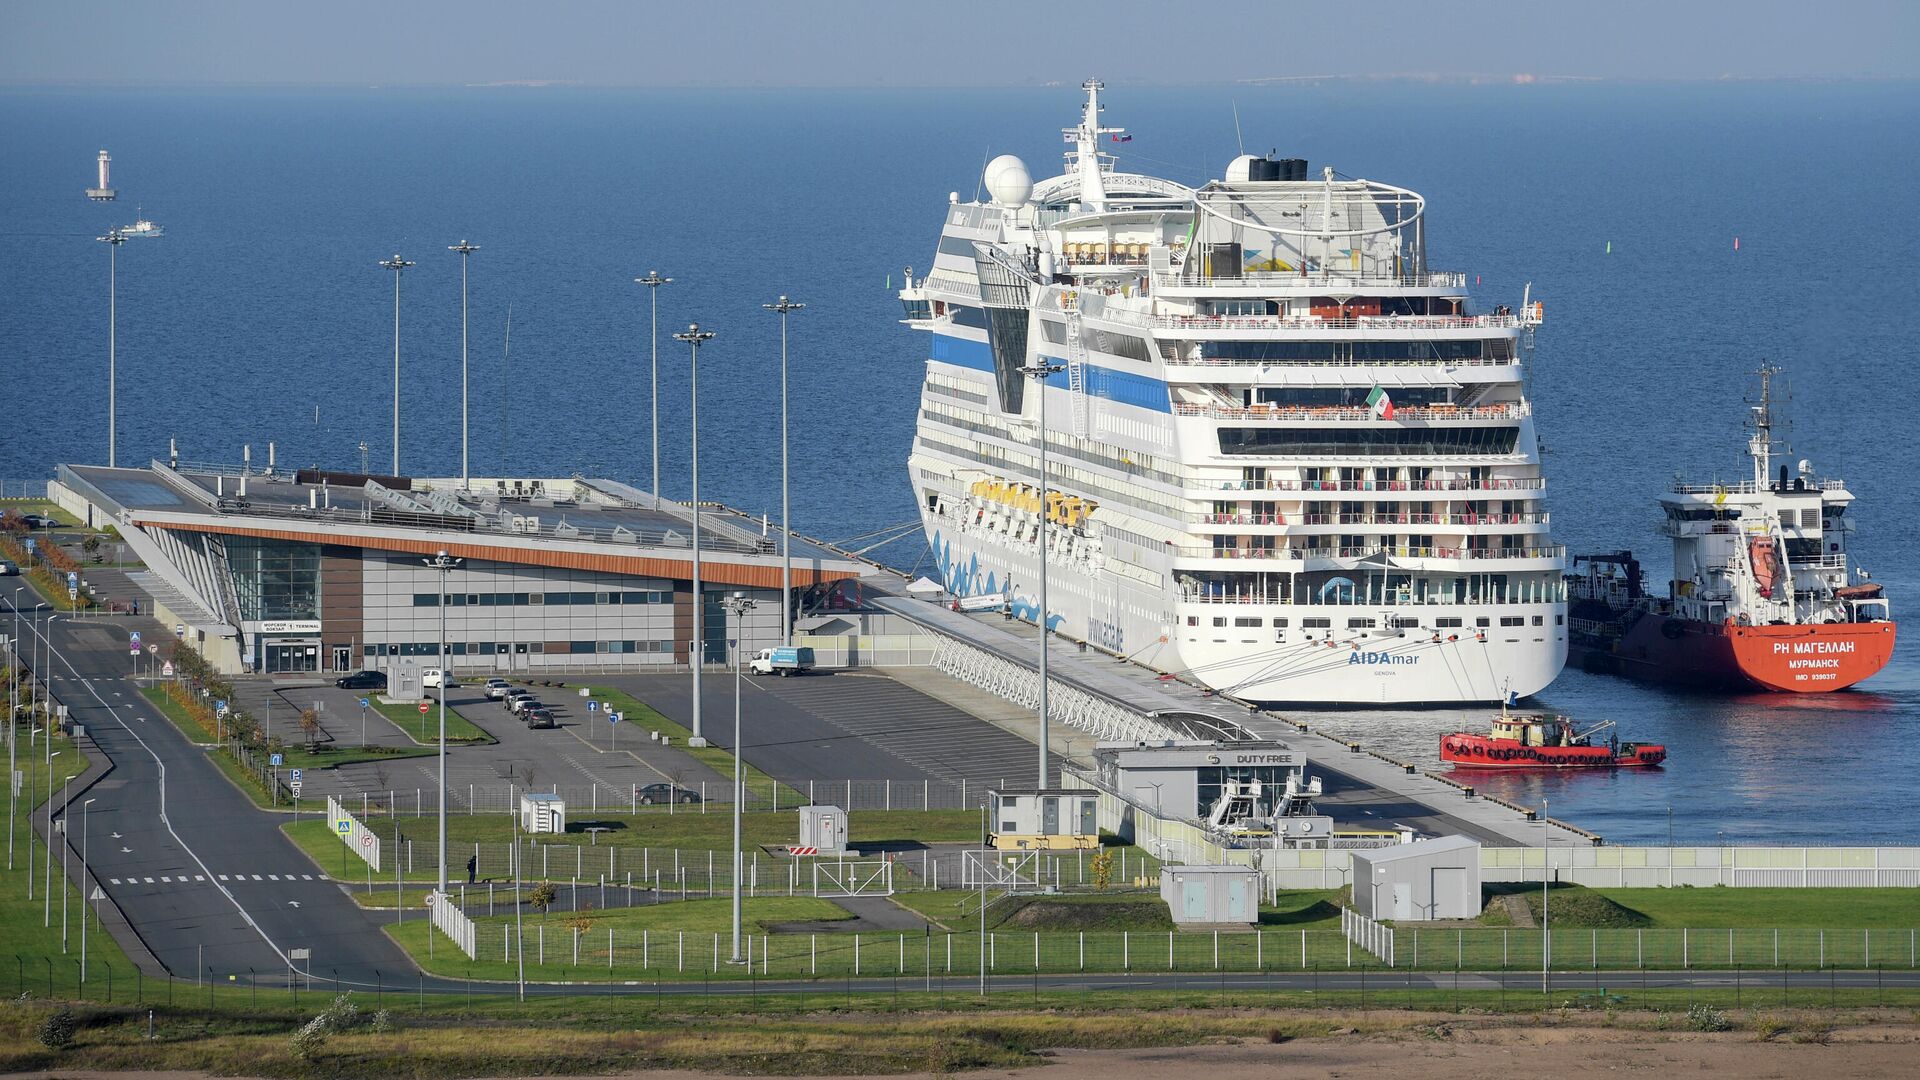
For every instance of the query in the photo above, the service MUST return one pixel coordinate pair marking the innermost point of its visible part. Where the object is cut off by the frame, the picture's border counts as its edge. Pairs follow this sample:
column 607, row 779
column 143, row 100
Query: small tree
column 91, row 545
column 310, row 727
column 1101, row 866
column 542, row 897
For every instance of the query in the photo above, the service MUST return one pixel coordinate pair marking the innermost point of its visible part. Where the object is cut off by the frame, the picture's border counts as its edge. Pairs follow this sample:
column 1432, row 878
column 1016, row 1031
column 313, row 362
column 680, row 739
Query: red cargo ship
column 1545, row 742
column 1763, row 595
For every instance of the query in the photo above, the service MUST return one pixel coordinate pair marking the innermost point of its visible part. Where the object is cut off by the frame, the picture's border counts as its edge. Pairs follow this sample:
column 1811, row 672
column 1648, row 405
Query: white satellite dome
column 1240, row 169
column 1008, row 181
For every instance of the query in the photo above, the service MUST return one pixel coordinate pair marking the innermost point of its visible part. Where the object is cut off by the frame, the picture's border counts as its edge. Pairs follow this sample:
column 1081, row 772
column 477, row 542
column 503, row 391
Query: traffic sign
column 363, row 703
column 593, row 706
column 294, row 786
column 220, row 707
column 97, row 894
column 366, row 840
column 612, row 717
column 343, row 826
column 276, row 760
column 180, row 630
column 295, row 774
column 73, row 579
column 423, row 708
column 31, row 546
column 133, row 639
column 167, row 669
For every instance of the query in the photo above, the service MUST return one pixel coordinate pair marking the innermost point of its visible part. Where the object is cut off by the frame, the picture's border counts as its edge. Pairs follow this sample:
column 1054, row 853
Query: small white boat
column 142, row 227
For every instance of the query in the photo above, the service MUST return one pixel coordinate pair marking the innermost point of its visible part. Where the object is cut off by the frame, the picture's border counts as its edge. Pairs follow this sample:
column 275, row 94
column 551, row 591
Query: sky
column 915, row 43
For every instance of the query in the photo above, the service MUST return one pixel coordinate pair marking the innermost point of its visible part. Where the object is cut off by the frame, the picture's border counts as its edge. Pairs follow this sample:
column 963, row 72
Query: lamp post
column 66, row 845
column 464, row 249
column 46, row 665
column 695, row 337
column 13, row 718
column 785, row 307
column 1546, row 871
column 113, row 240
column 653, row 281
column 443, row 563
column 85, row 812
column 396, row 264
column 738, row 605
column 1039, row 373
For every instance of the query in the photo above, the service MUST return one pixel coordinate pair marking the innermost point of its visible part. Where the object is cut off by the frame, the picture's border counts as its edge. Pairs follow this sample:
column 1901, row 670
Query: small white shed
column 541, row 812
column 1419, row 882
column 1211, row 895
column 823, row 830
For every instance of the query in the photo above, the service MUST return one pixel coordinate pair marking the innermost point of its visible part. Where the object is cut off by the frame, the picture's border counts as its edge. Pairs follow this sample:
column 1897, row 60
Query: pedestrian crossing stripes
column 191, row 879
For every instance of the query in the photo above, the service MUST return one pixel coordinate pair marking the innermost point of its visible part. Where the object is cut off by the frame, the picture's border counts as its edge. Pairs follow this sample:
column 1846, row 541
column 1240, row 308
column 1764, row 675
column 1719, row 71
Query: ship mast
column 1760, row 444
column 1084, row 159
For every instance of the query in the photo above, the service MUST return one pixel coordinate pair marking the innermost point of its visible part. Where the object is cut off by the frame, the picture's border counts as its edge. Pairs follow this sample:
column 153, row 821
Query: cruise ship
column 1283, row 457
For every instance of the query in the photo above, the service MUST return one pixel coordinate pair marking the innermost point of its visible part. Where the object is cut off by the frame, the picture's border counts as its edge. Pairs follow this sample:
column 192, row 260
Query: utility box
column 823, row 831
column 1419, row 882
column 1045, row 819
column 542, row 813
column 1201, row 896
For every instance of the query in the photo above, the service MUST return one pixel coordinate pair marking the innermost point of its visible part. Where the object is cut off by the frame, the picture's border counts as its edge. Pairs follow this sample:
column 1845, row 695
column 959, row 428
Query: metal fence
column 638, row 954
column 503, row 798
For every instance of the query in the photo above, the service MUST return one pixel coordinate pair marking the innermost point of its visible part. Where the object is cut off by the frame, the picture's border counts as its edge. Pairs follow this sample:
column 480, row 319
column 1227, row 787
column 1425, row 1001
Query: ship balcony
column 1317, row 414
column 1368, row 487
column 1312, row 280
column 1201, row 594
column 1463, row 520
column 1392, row 374
column 1360, row 327
column 1338, row 557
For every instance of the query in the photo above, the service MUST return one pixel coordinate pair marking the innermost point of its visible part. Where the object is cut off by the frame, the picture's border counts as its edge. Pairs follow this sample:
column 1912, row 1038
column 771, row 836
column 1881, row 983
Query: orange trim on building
column 713, row 569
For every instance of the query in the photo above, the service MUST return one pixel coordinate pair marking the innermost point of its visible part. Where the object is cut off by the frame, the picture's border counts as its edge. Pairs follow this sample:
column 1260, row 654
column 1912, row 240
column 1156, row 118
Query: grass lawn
column 646, row 718
column 1891, row 909
column 22, row 929
column 181, row 718
column 653, row 828
column 1110, row 911
column 424, row 728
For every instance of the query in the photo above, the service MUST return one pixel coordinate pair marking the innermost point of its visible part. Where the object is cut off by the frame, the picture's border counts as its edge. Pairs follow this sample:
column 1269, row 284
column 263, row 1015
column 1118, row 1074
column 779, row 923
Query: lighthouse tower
column 105, row 192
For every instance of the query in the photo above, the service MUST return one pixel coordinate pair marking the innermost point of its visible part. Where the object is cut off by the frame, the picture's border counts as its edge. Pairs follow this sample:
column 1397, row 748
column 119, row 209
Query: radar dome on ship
column 1240, row 169
column 1008, row 181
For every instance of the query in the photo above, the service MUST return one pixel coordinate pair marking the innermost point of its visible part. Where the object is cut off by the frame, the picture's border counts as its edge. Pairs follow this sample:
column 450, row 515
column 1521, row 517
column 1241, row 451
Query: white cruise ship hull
column 1338, row 666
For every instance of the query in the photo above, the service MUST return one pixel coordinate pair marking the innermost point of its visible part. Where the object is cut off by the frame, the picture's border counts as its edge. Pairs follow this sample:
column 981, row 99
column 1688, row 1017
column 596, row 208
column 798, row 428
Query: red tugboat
column 1545, row 742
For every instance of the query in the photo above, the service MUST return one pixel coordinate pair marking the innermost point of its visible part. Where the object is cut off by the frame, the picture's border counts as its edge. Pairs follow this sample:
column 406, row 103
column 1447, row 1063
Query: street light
column 443, row 562
column 13, row 717
column 784, row 307
column 738, row 605
column 396, row 264
column 46, row 636
column 464, row 249
column 653, row 281
column 1039, row 372
column 695, row 337
column 1546, row 865
column 84, row 814
column 113, row 240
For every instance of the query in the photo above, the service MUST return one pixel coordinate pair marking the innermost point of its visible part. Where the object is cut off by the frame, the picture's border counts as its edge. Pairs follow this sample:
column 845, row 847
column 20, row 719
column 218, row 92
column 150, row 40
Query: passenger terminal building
column 314, row 571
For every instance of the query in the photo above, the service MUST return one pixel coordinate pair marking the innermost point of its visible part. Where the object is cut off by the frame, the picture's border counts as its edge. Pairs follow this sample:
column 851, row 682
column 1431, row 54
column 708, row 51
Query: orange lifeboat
column 1766, row 564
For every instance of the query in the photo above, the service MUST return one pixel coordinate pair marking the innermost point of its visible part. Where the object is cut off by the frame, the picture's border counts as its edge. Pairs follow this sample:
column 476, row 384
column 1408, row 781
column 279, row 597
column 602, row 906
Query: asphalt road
column 205, row 879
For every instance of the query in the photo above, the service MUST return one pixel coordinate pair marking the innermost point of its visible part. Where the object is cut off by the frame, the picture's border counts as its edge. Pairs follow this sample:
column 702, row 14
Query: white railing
column 1548, row 551
column 358, row 838
column 1533, row 518
column 1368, row 934
column 1315, row 322
column 1218, row 361
column 1746, row 487
column 1432, row 279
column 1356, row 412
column 451, row 921
column 1531, row 483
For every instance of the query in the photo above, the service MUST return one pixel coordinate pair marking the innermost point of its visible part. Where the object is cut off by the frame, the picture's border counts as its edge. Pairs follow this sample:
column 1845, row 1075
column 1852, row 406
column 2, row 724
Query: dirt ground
column 1453, row 1051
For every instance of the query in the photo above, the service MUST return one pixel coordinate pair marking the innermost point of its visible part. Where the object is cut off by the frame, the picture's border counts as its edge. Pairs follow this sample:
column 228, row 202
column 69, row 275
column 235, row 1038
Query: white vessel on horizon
column 1284, row 457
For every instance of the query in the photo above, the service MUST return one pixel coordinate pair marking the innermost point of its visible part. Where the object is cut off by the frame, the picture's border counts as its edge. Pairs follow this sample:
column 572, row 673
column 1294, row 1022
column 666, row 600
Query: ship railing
column 1747, row 487
column 1819, row 562
column 1527, row 483
column 1392, row 598
column 1429, row 279
column 1428, row 362
column 1316, row 322
column 1510, row 411
column 1448, row 552
column 1535, row 518
column 1239, row 519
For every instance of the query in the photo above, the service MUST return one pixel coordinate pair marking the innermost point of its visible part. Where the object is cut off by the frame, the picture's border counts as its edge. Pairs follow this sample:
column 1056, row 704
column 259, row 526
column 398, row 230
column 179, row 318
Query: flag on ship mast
column 1380, row 403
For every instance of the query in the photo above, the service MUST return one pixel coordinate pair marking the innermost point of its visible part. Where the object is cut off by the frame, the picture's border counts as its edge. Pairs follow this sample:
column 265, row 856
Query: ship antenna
column 1237, row 137
column 1761, row 444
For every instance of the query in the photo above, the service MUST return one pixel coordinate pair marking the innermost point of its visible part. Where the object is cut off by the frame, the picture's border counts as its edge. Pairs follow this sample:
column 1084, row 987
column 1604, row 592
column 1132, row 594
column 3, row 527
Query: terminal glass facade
column 275, row 579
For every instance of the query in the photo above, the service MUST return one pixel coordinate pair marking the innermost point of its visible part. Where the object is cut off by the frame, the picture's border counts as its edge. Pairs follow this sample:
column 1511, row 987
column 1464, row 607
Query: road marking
column 149, row 881
column 306, row 877
column 273, row 877
column 256, row 877
column 198, row 877
column 113, row 881
column 222, row 877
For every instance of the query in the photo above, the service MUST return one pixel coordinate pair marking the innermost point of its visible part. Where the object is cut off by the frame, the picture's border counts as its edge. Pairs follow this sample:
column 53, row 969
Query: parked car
column 362, row 680
column 432, row 678
column 7, row 569
column 522, row 704
column 538, row 716
column 41, row 521
column 664, row 793
column 514, row 694
column 785, row 661
column 497, row 689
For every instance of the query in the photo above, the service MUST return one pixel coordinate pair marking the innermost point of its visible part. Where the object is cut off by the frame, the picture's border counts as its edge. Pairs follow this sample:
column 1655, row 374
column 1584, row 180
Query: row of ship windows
column 1397, row 623
column 534, row 599
column 502, row 648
